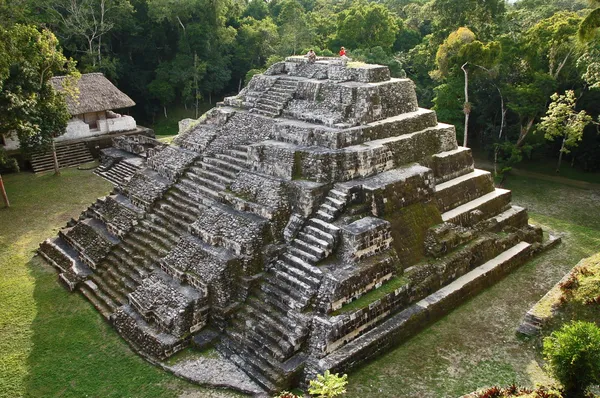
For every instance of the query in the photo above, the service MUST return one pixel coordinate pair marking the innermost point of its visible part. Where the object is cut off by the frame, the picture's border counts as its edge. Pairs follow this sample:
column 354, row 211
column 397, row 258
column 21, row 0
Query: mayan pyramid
column 311, row 222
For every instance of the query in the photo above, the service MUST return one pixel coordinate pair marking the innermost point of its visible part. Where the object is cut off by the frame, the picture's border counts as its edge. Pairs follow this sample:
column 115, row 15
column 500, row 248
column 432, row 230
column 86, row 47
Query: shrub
column 328, row 385
column 573, row 355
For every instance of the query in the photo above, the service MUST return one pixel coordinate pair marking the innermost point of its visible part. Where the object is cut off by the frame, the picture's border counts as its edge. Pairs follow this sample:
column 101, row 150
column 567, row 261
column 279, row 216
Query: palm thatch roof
column 96, row 94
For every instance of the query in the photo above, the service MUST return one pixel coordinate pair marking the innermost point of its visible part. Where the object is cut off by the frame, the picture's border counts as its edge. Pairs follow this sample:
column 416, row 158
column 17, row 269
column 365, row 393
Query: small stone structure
column 311, row 222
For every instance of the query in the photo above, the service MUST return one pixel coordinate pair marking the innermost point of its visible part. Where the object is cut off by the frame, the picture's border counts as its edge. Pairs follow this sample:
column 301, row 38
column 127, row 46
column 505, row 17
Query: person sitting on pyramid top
column 342, row 52
column 312, row 57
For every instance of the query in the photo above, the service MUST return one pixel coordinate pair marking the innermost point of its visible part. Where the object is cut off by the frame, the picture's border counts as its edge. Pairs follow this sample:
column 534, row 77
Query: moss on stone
column 363, row 301
column 409, row 226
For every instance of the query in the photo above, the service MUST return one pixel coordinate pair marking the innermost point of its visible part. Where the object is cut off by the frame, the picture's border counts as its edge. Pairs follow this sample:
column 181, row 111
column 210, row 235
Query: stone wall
column 242, row 233
column 160, row 346
column 215, row 272
column 145, row 187
column 344, row 285
column 364, row 238
column 117, row 213
column 171, row 162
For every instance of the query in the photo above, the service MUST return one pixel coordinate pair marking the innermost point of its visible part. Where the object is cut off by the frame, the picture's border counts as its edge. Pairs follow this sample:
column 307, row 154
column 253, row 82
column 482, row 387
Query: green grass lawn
column 52, row 342
column 170, row 126
column 476, row 346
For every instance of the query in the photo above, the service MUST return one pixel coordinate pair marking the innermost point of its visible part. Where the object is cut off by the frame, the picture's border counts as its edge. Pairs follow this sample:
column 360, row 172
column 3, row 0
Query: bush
column 7, row 164
column 328, row 385
column 573, row 356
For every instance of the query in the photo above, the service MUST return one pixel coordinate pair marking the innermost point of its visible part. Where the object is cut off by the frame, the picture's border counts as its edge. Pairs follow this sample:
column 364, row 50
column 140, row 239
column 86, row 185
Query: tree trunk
column 55, row 159
column 467, row 107
column 560, row 155
column 525, row 130
column 4, row 195
column 165, row 111
column 240, row 85
column 210, row 98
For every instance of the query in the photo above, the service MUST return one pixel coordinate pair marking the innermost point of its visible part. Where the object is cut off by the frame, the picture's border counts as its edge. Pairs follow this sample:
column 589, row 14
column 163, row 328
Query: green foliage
column 251, row 74
column 366, row 25
column 377, row 55
column 7, row 164
column 328, row 385
column 29, row 105
column 589, row 26
column 294, row 28
column 563, row 121
column 573, row 355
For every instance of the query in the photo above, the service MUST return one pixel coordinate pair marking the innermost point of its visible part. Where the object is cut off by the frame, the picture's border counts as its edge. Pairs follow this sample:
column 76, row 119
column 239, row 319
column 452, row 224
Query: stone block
column 364, row 238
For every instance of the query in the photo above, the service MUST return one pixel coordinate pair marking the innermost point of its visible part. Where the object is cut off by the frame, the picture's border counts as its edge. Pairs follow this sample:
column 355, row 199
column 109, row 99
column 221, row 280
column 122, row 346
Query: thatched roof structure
column 96, row 94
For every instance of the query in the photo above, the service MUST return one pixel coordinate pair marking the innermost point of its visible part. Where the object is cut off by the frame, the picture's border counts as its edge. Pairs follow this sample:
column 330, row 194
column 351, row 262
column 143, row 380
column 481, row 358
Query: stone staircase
column 267, row 336
column 119, row 173
column 272, row 101
column 138, row 254
column 68, row 155
column 214, row 174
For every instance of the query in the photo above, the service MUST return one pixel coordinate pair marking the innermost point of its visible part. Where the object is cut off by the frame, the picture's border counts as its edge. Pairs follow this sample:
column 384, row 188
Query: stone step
column 309, row 248
column 207, row 182
column 164, row 242
column 199, row 189
column 319, row 234
column 338, row 194
column 240, row 153
column 112, row 292
column 278, row 288
column 268, row 332
column 324, row 245
column 296, row 262
column 217, row 177
column 271, row 102
column 277, row 97
column 259, row 345
column 324, row 216
column 285, row 330
column 292, row 280
column 300, row 274
column 239, row 359
column 324, row 226
column 266, row 113
column 515, row 216
column 279, row 298
column 451, row 164
column 308, row 257
column 462, row 189
column 488, row 205
column 225, row 164
column 100, row 295
column 402, row 325
column 334, row 202
column 219, row 170
column 184, row 217
column 176, row 195
column 268, row 107
column 327, row 208
column 98, row 304
column 232, row 160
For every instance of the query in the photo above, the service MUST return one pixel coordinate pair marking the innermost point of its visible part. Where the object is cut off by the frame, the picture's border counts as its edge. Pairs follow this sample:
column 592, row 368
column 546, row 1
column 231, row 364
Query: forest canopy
column 167, row 54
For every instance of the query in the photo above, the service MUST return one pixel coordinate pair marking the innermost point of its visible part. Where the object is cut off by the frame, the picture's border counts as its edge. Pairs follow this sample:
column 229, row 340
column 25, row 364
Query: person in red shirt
column 342, row 52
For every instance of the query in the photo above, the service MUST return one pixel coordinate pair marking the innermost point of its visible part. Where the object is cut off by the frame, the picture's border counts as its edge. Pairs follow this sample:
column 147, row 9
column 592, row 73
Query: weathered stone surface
column 308, row 223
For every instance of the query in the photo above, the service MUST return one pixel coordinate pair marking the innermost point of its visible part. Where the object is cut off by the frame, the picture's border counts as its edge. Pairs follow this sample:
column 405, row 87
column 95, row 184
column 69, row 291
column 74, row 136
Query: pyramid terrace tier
column 309, row 223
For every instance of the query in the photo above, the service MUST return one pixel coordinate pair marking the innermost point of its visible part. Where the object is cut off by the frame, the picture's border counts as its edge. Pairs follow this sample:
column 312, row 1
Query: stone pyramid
column 311, row 222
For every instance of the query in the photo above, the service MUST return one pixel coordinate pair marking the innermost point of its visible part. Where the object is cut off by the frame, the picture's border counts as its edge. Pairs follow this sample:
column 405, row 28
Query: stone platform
column 314, row 220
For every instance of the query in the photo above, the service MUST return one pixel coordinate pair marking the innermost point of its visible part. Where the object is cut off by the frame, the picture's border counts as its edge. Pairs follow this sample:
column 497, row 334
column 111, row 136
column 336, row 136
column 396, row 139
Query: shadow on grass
column 76, row 353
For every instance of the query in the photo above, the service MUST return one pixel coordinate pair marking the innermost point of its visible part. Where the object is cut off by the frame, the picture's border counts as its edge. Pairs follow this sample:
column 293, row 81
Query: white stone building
column 91, row 110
